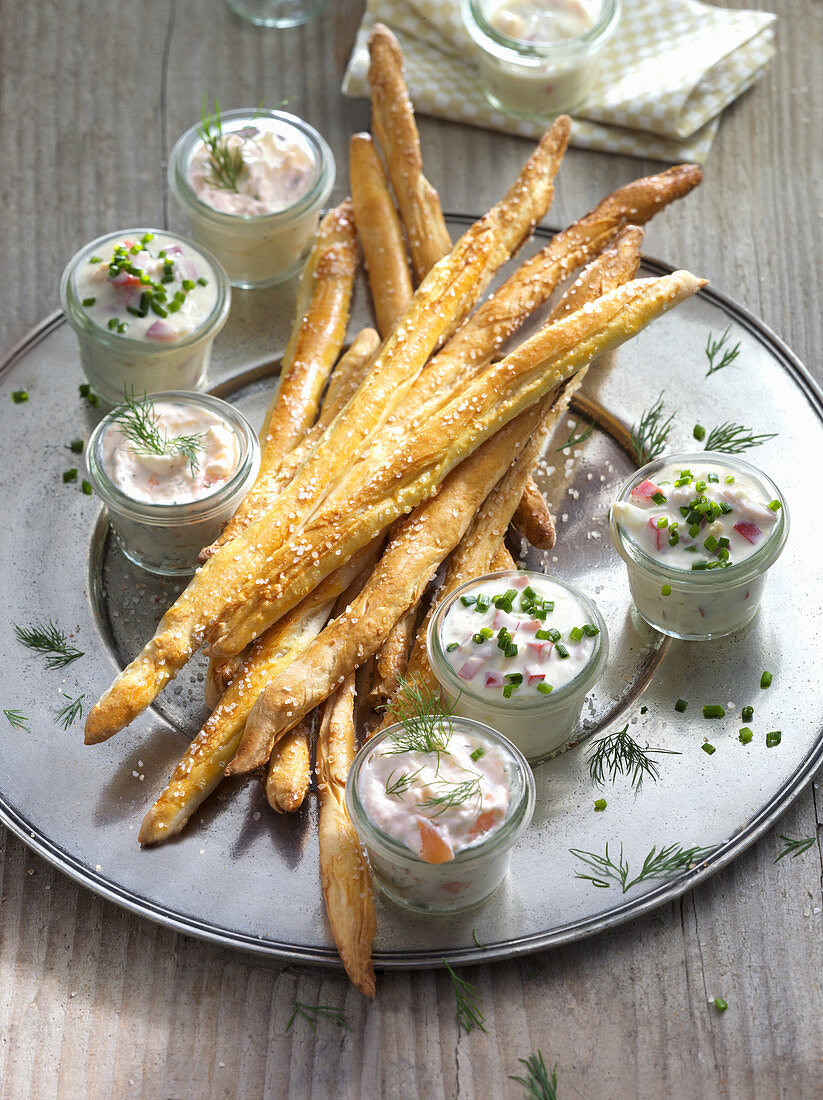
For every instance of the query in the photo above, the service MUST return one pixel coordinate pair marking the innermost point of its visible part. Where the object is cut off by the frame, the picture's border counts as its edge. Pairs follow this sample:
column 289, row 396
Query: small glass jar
column 277, row 13
column 539, row 724
column 477, row 869
column 538, row 60
column 698, row 604
column 118, row 360
column 257, row 249
column 166, row 538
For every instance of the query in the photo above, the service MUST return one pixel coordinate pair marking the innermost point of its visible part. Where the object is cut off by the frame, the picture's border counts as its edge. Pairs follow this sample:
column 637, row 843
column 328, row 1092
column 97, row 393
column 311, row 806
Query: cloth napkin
column 663, row 78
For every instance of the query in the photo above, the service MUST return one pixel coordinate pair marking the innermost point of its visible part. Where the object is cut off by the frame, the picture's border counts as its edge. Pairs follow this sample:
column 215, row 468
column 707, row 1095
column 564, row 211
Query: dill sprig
column 468, row 1000
column 454, row 794
column 313, row 1014
column 399, row 786
column 650, row 435
column 713, row 349
column 658, row 864
column 17, row 720
column 733, row 439
column 72, row 711
column 140, row 425
column 539, row 1082
column 794, row 847
column 426, row 723
column 50, row 641
column 225, row 161
column 573, row 440
column 619, row 754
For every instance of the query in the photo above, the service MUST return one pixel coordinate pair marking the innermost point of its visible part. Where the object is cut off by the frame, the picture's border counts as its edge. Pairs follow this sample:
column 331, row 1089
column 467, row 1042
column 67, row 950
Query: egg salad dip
column 697, row 533
column 438, row 802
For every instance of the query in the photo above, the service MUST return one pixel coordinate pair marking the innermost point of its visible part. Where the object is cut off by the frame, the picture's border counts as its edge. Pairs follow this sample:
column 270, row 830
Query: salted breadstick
column 380, row 233
column 396, row 132
column 289, row 771
column 202, row 766
column 230, row 575
column 344, row 873
column 390, row 660
column 413, row 555
column 533, row 518
column 397, row 483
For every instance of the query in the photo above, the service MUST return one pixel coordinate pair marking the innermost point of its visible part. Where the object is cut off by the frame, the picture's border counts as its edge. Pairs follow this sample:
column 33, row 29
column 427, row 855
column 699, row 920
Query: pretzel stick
column 344, row 873
column 232, row 573
column 203, row 763
column 380, row 233
column 288, row 775
column 396, row 132
column 396, row 484
column 324, row 298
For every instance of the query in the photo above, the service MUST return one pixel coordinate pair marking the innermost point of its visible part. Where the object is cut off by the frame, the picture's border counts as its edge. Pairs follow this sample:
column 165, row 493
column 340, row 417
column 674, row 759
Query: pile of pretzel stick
column 389, row 457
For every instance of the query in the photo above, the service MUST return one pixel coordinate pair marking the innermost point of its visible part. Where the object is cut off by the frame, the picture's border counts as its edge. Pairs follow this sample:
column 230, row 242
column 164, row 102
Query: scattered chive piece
column 478, row 752
column 544, row 689
column 19, row 397
column 202, row 281
column 95, row 260
column 451, row 647
column 483, row 603
column 600, row 805
column 680, row 705
column 576, row 634
column 747, row 714
column 699, row 432
column 766, row 680
column 745, row 736
column 773, row 738
column 89, row 302
column 468, row 601
column 86, row 486
column 708, row 749
column 659, row 498
column 714, row 710
column 666, row 590
column 720, row 1004
column 70, row 475
column 561, row 649
column 590, row 630
column 76, row 446
column 775, row 505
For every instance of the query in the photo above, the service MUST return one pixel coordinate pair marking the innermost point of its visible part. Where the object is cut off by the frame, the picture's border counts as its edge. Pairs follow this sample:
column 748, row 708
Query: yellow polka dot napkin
column 663, row 78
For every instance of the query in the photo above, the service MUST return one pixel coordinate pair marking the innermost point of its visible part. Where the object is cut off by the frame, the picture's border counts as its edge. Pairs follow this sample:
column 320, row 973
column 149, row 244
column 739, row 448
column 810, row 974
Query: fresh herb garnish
column 313, row 1014
column 50, row 641
column 19, row 397
column 467, row 996
column 720, row 1003
column 539, row 1082
column 482, row 946
column 454, row 794
column 619, row 754
column 795, row 848
column 575, row 439
column 18, row 720
column 225, row 161
column 658, row 864
column 650, row 435
column 140, row 424
column 72, row 711
column 713, row 349
column 88, row 394
column 426, row 723
column 734, row 439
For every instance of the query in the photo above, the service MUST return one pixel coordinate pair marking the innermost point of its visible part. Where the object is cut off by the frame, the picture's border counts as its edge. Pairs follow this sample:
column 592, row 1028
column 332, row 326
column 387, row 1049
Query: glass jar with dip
column 171, row 470
column 698, row 532
column 439, row 803
column 252, row 190
column 537, row 57
column 145, row 306
column 519, row 651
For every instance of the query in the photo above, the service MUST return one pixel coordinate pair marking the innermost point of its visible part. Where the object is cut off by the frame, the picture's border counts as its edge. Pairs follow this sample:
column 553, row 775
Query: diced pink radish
column 540, row 650
column 534, row 675
column 124, row 278
column 531, row 626
column 494, row 679
column 655, row 533
column 502, row 618
column 470, row 668
column 520, row 581
column 645, row 490
column 161, row 330
column 173, row 250
column 750, row 531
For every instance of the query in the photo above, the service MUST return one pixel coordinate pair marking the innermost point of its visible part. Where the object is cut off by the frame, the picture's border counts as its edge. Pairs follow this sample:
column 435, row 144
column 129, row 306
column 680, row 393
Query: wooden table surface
column 98, row 1002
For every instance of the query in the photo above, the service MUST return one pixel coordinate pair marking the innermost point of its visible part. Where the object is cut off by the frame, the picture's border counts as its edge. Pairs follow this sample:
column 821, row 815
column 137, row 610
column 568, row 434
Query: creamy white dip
column 278, row 169
column 180, row 474
column 708, row 516
column 439, row 802
column 151, row 289
column 534, row 641
column 546, row 21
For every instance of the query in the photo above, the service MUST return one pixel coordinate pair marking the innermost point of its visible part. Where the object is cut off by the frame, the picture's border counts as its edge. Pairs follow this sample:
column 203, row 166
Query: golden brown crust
column 396, row 132
column 344, row 873
column 391, row 658
column 380, row 233
column 289, row 770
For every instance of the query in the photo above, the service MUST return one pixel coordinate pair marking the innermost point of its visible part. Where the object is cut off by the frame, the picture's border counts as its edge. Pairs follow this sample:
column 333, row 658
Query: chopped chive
column 543, row 635
column 666, row 590
column 745, row 735
column 729, row 479
column 544, row 688
column 478, row 752
column 600, row 805
column 747, row 714
column 699, row 432
column 766, row 680
column 561, row 650
column 507, row 691
column 720, row 1004
column 775, row 505
column 711, row 544
column 710, row 750
column 451, row 647
column 773, row 737
column 591, row 630
column 700, row 565
column 202, row 282
column 680, row 705
column 662, row 522
column 86, row 486
column 19, row 397
column 714, row 710
column 468, row 601
column 70, row 475
column 659, row 498
column 76, row 446
column 96, row 260
column 514, row 677
column 510, row 650
column 713, row 478
column 87, row 302
column 576, row 634
column 478, row 639
column 483, row 602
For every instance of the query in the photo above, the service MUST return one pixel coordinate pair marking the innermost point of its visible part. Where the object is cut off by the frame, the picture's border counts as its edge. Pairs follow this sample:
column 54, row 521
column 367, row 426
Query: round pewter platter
column 245, row 877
